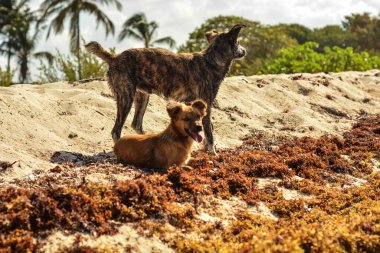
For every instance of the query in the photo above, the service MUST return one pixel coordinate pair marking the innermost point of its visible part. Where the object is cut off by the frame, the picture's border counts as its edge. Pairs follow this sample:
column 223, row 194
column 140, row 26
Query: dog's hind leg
column 141, row 102
column 208, row 127
column 124, row 104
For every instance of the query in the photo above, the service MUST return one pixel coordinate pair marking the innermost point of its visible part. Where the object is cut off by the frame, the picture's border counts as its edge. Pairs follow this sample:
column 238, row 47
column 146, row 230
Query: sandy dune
column 38, row 120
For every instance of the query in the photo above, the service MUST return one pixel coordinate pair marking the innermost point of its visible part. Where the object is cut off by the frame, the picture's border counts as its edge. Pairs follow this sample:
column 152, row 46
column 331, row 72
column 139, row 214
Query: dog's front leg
column 207, row 126
column 141, row 102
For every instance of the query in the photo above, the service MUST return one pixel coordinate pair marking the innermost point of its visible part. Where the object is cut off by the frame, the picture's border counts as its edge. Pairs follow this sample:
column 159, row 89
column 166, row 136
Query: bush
column 6, row 77
column 305, row 58
column 65, row 67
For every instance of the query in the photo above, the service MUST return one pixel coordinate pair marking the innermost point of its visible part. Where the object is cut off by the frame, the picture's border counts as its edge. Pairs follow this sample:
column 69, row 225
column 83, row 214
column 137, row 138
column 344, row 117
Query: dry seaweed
column 337, row 217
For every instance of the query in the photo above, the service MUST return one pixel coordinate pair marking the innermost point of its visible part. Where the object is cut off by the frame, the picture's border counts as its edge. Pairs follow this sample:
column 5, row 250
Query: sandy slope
column 37, row 120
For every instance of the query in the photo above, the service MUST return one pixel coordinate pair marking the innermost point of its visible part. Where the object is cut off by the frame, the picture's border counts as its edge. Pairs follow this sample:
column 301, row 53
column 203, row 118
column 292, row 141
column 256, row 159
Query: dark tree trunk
column 78, row 50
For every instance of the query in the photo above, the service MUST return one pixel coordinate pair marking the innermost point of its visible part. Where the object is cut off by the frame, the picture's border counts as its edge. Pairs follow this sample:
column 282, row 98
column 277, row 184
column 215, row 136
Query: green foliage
column 261, row 42
column 365, row 31
column 359, row 31
column 305, row 58
column 299, row 32
column 66, row 67
column 6, row 77
column 331, row 35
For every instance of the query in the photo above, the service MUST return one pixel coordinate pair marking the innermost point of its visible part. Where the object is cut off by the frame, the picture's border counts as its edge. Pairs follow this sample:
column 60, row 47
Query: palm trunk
column 78, row 50
column 24, row 69
column 9, row 58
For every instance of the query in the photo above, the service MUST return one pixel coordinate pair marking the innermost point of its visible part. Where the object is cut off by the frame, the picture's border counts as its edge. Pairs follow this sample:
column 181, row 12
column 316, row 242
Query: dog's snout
column 240, row 52
column 243, row 52
column 198, row 128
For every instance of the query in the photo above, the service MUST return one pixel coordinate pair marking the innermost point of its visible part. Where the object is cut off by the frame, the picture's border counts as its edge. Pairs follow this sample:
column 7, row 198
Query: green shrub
column 65, row 67
column 305, row 59
column 6, row 77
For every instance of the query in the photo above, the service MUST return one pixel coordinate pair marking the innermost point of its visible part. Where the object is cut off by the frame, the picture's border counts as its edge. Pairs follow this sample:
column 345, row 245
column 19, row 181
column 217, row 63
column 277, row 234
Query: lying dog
column 136, row 73
column 170, row 147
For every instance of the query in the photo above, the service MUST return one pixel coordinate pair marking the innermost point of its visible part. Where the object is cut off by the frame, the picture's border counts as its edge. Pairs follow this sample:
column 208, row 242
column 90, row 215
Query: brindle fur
column 136, row 73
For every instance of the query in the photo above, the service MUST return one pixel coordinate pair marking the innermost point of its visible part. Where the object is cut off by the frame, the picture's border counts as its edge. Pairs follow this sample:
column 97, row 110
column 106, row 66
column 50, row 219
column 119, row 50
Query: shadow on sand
column 78, row 159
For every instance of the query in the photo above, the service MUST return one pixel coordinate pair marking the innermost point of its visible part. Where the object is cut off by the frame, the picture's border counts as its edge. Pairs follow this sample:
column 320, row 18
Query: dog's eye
column 186, row 119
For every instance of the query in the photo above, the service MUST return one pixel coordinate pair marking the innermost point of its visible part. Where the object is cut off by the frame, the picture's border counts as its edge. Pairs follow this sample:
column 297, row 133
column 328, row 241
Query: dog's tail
column 95, row 48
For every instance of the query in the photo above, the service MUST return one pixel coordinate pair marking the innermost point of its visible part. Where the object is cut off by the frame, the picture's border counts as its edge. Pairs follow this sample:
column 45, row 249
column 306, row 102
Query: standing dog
column 170, row 147
column 136, row 73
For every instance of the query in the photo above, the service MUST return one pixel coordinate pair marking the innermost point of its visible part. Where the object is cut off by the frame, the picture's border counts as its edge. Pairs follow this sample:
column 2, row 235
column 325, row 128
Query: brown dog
column 136, row 73
column 170, row 147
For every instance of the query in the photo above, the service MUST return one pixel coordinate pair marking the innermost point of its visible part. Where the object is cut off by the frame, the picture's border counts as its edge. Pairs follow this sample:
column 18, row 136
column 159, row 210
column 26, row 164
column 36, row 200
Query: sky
column 177, row 18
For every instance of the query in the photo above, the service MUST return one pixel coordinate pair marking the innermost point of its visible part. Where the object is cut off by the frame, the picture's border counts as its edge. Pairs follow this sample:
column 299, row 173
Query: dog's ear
column 211, row 35
column 173, row 109
column 200, row 105
column 233, row 34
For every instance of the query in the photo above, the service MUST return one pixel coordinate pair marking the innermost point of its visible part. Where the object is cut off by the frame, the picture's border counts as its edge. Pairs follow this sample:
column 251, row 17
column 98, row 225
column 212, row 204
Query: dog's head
column 188, row 118
column 227, row 44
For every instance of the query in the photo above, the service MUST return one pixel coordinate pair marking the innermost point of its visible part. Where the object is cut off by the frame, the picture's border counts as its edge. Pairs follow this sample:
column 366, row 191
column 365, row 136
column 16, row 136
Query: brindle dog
column 136, row 73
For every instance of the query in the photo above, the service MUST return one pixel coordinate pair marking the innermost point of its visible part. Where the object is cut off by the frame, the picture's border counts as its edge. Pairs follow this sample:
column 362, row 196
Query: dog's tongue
column 197, row 137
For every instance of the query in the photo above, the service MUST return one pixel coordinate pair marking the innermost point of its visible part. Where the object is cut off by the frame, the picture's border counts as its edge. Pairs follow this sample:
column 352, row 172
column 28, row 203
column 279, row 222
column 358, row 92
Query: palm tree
column 71, row 10
column 15, row 22
column 13, row 16
column 139, row 28
column 27, row 45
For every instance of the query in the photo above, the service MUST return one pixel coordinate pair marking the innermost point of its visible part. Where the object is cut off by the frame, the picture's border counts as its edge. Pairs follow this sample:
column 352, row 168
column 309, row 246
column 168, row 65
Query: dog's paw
column 115, row 137
column 210, row 148
column 138, row 130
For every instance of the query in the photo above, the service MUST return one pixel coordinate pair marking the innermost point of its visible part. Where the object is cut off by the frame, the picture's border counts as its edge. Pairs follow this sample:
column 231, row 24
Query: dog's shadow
column 81, row 160
column 78, row 159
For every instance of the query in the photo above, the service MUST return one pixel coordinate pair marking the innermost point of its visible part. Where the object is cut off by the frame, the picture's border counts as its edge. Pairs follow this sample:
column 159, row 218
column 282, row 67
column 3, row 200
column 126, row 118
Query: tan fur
column 170, row 147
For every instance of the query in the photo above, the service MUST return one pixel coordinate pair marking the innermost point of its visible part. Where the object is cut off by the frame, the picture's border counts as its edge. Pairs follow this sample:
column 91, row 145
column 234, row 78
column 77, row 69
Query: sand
column 42, row 126
column 36, row 121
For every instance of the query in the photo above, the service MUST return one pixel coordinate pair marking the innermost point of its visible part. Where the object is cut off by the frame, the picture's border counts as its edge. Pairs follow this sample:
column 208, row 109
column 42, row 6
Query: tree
column 261, row 42
column 15, row 23
column 331, row 35
column 365, row 30
column 26, row 52
column 296, row 31
column 139, row 28
column 13, row 15
column 72, row 10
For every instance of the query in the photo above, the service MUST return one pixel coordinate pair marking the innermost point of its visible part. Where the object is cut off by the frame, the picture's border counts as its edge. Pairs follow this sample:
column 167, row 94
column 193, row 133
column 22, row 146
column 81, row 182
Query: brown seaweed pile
column 338, row 215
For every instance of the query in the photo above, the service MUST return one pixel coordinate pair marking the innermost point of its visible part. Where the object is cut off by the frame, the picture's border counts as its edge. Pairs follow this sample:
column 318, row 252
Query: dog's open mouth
column 195, row 135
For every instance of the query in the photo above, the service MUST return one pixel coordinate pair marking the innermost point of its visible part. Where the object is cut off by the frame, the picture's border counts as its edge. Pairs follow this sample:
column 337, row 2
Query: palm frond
column 134, row 20
column 101, row 17
column 45, row 14
column 48, row 4
column 166, row 40
column 58, row 22
column 129, row 33
column 118, row 5
column 44, row 55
